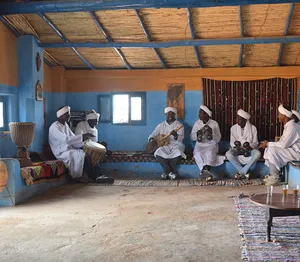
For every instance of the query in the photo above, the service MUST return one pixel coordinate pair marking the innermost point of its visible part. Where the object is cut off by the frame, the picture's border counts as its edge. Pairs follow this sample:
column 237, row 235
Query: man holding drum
column 169, row 155
column 244, row 142
column 66, row 146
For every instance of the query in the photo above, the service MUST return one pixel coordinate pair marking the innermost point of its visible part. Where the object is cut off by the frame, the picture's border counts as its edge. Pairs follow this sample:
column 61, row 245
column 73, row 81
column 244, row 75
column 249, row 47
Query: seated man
column 207, row 134
column 168, row 156
column 245, row 152
column 278, row 154
column 66, row 146
column 89, row 126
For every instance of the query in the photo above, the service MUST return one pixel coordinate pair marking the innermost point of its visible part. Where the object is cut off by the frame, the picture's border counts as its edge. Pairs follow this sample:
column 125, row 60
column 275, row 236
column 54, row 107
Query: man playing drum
column 66, row 146
column 89, row 126
column 169, row 155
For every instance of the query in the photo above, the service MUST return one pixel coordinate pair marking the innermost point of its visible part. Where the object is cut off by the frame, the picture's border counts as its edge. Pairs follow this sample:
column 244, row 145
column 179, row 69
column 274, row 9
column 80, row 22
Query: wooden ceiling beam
column 7, row 7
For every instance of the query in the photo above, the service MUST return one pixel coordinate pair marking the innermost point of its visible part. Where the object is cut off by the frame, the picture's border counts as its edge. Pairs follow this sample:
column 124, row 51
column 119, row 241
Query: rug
column 252, row 225
column 182, row 182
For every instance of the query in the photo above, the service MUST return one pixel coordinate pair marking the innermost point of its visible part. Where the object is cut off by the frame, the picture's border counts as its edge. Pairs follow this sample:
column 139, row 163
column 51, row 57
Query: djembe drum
column 22, row 134
column 96, row 152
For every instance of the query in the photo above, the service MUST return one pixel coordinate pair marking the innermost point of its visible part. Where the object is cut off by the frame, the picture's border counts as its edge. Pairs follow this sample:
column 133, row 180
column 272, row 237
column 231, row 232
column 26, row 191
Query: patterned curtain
column 260, row 98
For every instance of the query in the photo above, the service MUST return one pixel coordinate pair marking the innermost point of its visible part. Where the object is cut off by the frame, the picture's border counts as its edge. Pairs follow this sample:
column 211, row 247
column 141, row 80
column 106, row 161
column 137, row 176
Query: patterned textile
column 260, row 98
column 253, row 227
column 138, row 156
column 43, row 171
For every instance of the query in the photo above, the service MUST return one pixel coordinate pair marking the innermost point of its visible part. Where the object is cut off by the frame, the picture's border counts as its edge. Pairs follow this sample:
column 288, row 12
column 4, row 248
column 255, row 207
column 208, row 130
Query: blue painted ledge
column 16, row 191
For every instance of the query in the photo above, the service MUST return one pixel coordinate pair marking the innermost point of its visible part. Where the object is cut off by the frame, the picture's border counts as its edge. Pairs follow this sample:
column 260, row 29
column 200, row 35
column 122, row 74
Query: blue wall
column 134, row 137
column 7, row 147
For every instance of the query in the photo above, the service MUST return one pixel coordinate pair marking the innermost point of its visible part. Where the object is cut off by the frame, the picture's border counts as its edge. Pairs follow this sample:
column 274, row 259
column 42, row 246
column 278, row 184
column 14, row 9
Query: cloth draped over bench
column 43, row 171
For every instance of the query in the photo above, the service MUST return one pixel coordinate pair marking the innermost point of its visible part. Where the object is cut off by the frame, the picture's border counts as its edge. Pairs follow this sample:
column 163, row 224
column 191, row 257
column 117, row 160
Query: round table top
column 277, row 201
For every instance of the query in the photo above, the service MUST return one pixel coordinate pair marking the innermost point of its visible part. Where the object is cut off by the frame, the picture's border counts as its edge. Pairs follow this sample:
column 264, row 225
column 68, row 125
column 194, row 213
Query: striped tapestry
column 260, row 98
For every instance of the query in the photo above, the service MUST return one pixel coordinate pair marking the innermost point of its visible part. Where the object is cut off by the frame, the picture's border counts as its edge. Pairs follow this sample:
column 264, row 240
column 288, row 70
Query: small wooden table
column 277, row 205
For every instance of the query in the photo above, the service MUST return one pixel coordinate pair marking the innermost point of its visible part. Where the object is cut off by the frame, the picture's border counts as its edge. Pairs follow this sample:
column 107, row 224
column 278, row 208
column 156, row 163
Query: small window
column 129, row 108
column 3, row 113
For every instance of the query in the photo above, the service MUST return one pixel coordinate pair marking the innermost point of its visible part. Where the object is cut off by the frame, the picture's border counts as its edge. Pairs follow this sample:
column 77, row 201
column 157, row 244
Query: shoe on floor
column 238, row 176
column 163, row 176
column 172, row 176
column 248, row 175
column 104, row 180
column 271, row 181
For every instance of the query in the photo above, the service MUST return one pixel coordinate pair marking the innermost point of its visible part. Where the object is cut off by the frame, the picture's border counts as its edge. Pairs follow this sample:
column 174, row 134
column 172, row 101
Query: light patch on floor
column 85, row 223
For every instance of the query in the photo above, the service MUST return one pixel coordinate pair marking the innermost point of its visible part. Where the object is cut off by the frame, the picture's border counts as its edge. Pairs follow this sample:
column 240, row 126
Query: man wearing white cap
column 246, row 155
column 278, row 154
column 207, row 134
column 66, row 146
column 89, row 126
column 168, row 156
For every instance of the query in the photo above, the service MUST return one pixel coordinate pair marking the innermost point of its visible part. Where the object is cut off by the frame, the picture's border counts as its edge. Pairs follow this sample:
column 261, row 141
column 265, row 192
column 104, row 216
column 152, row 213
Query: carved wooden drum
column 95, row 151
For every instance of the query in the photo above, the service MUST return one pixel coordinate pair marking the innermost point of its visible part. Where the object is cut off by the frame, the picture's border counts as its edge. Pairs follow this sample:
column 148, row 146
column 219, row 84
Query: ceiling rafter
column 166, row 44
column 190, row 21
column 149, row 38
column 109, row 39
column 286, row 29
column 61, row 35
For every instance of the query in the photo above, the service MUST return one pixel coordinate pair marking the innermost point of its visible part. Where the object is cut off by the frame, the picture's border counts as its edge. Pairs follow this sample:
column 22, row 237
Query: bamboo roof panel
column 45, row 32
column 77, row 27
column 102, row 57
column 216, row 22
column 179, row 56
column 66, row 57
column 220, row 56
column 291, row 54
column 141, row 57
column 260, row 55
column 166, row 24
column 265, row 20
column 294, row 28
column 122, row 25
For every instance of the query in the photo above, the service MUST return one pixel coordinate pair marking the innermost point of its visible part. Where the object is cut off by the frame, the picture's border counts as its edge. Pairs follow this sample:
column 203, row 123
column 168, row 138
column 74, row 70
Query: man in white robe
column 278, row 154
column 66, row 146
column 207, row 134
column 168, row 156
column 243, row 132
column 89, row 126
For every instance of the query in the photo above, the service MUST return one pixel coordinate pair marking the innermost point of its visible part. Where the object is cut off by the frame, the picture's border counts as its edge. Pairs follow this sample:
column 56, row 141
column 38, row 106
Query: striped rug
column 252, row 225
column 182, row 182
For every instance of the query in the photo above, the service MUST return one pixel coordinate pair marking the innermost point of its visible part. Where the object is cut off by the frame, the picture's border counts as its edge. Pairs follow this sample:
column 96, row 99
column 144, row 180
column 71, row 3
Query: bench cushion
column 43, row 171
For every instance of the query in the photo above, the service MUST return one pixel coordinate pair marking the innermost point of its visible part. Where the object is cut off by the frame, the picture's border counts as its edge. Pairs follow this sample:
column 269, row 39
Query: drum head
column 95, row 145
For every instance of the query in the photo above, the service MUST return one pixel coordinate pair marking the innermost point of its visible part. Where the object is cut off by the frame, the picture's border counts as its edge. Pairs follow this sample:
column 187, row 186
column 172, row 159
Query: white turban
column 62, row 111
column 243, row 114
column 284, row 111
column 170, row 109
column 206, row 110
column 296, row 114
column 92, row 116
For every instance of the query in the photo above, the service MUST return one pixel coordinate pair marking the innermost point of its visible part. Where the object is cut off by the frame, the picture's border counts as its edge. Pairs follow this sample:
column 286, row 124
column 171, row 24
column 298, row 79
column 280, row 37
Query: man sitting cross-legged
column 278, row 154
column 244, row 142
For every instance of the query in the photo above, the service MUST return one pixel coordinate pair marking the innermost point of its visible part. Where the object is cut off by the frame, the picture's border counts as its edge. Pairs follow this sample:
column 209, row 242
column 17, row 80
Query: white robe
column 206, row 153
column 83, row 127
column 286, row 149
column 248, row 135
column 176, row 147
column 66, row 147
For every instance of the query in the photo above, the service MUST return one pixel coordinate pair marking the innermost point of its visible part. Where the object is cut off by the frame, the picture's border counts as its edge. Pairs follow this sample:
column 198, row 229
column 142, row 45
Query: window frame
column 143, row 121
column 3, row 99
column 109, row 98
